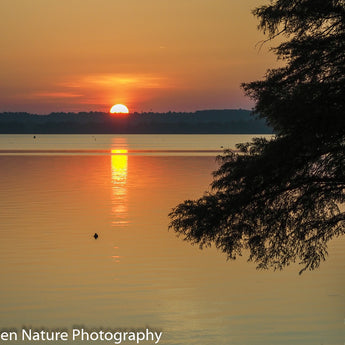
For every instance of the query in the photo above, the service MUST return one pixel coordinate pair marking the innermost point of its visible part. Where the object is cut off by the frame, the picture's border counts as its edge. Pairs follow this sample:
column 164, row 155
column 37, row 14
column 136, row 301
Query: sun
column 119, row 109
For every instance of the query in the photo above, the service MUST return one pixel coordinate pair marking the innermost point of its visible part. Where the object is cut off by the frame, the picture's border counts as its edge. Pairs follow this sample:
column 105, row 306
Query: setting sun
column 119, row 109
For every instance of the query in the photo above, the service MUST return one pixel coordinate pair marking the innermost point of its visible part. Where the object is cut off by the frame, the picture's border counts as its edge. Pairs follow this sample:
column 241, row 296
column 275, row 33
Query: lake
column 56, row 191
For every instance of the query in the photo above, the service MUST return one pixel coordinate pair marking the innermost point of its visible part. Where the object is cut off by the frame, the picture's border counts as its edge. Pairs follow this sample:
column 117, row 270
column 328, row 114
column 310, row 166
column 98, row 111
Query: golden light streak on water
column 119, row 170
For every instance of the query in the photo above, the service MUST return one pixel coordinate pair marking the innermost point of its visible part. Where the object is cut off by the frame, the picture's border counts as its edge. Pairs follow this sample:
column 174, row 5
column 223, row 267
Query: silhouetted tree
column 280, row 199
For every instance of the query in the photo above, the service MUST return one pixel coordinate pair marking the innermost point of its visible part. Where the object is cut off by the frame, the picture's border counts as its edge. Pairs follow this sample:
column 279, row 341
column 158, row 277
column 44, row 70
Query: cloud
column 55, row 94
column 127, row 81
column 104, row 89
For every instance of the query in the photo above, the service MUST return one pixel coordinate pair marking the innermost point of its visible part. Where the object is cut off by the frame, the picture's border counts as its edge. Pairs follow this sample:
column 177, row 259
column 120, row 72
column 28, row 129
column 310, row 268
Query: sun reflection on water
column 119, row 169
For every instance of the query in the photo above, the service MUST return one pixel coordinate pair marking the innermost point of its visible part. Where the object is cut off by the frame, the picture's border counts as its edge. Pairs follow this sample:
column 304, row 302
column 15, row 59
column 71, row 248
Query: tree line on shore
column 199, row 122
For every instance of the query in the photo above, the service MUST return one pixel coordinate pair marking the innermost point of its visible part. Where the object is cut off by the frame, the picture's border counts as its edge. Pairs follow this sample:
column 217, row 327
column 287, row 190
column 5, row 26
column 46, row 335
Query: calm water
column 56, row 191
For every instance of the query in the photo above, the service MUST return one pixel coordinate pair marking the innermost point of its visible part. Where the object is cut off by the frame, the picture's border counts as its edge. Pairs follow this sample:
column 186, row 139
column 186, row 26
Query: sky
column 151, row 55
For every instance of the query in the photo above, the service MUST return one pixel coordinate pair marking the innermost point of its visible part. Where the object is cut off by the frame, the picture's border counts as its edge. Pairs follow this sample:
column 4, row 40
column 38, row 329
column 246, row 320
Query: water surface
column 57, row 191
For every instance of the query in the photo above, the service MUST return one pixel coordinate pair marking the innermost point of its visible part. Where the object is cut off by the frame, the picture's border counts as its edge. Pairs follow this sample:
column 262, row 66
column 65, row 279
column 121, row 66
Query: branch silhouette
column 281, row 199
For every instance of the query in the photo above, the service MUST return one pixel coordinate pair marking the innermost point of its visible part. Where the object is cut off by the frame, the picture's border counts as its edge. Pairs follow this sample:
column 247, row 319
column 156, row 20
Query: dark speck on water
column 95, row 235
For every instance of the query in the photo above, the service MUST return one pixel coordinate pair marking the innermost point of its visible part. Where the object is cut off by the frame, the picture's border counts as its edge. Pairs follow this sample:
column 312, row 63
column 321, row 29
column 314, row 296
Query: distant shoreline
column 227, row 121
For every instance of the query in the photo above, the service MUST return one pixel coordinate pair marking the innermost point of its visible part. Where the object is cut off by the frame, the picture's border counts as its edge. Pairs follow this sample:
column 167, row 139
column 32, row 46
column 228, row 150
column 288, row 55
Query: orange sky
column 83, row 55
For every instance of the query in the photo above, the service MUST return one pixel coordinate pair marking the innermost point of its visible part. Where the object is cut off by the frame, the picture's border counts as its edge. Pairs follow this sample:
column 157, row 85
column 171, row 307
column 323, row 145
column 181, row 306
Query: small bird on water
column 95, row 235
